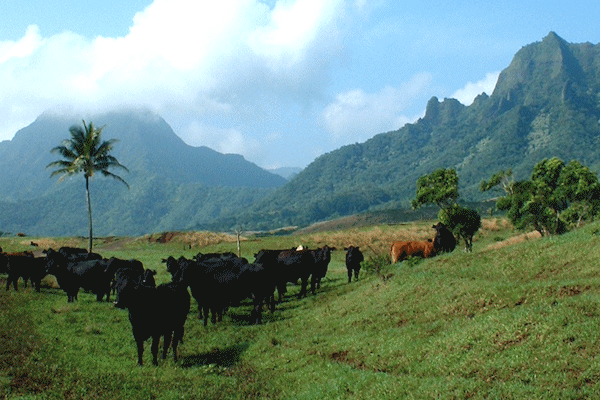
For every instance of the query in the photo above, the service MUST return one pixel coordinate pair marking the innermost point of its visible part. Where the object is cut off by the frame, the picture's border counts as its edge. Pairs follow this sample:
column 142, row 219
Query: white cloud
column 358, row 115
column 193, row 57
column 467, row 94
column 223, row 140
column 22, row 48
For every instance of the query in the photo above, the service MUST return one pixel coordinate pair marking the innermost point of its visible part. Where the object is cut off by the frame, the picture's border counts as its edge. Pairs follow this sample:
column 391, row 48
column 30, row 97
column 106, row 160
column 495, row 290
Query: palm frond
column 86, row 152
column 114, row 176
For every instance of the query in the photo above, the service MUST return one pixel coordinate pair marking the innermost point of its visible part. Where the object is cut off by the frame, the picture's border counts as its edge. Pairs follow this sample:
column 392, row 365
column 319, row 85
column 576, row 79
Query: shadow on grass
column 226, row 358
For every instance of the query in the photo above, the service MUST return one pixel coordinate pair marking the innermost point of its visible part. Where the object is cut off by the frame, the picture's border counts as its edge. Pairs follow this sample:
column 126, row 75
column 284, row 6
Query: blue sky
column 280, row 82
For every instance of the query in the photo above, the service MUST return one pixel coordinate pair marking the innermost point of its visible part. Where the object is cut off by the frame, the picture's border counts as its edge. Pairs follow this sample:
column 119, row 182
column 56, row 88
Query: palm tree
column 85, row 152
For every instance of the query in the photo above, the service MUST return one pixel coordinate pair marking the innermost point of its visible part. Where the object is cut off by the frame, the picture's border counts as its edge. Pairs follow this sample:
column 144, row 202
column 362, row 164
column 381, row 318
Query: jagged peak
column 548, row 65
column 552, row 37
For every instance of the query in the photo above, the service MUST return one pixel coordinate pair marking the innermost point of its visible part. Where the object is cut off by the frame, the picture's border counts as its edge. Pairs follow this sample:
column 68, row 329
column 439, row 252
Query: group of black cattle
column 216, row 281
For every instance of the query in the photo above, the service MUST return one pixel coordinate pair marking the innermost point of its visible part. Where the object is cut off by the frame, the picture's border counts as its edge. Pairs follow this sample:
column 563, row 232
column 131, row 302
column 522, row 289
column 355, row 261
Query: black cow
column 72, row 251
column 153, row 311
column 353, row 259
column 17, row 265
column 218, row 281
column 93, row 275
column 444, row 240
column 37, row 271
column 288, row 266
column 322, row 257
column 73, row 254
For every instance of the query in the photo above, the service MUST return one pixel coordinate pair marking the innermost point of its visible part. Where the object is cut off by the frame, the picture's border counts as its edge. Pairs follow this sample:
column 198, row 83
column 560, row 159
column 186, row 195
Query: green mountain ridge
column 546, row 103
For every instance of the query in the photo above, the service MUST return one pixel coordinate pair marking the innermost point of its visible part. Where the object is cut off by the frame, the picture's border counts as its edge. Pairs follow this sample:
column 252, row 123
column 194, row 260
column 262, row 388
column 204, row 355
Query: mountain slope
column 147, row 146
column 172, row 185
column 545, row 104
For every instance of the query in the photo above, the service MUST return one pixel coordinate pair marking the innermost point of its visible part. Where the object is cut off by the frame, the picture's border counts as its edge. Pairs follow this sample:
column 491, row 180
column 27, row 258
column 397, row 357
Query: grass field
column 517, row 318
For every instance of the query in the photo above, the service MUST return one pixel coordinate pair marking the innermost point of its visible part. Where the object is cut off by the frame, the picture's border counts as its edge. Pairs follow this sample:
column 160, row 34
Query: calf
column 402, row 250
column 353, row 259
column 17, row 265
column 153, row 311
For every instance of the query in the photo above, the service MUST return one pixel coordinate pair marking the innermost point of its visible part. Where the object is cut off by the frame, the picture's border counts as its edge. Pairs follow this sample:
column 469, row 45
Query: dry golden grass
column 495, row 224
column 55, row 243
column 514, row 240
column 376, row 240
column 191, row 239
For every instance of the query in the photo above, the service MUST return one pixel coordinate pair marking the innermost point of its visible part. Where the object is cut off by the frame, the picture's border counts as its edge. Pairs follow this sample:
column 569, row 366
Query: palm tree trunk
column 89, row 207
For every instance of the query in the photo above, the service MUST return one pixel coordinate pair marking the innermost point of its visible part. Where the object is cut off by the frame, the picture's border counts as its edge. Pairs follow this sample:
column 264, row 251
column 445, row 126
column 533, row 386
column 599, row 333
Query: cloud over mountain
column 196, row 59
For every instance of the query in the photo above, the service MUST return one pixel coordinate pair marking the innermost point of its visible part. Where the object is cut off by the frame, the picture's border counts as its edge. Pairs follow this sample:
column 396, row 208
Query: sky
column 280, row 82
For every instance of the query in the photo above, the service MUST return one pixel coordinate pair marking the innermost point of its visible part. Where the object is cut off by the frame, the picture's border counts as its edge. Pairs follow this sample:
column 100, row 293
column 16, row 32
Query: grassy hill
column 518, row 318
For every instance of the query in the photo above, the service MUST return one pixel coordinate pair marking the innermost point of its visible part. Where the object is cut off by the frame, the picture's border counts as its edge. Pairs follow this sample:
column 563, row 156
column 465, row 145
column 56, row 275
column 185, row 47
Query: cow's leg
column 356, row 271
column 168, row 337
column 206, row 314
column 303, row 288
column 140, row 351
column 177, row 337
column 272, row 300
column 256, row 313
column 155, row 342
column 349, row 275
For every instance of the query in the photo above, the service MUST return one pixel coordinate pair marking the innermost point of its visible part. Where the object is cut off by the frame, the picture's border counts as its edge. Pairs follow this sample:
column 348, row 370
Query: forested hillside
column 545, row 104
column 172, row 185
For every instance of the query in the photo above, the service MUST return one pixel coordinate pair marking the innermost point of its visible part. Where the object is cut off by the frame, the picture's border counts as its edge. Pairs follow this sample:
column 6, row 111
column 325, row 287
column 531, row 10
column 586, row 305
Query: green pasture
column 519, row 321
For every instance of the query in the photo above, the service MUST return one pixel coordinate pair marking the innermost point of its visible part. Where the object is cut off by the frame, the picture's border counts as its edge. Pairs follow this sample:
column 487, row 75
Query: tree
column 581, row 189
column 85, row 152
column 502, row 178
column 463, row 222
column 441, row 188
column 555, row 195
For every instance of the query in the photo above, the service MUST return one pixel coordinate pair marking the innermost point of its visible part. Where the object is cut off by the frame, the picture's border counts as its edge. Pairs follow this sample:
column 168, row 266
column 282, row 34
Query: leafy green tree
column 580, row 187
column 503, row 179
column 86, row 152
column 441, row 188
column 463, row 222
column 555, row 194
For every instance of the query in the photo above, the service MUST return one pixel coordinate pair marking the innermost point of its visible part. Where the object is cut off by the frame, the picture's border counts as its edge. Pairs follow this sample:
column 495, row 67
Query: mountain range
column 546, row 103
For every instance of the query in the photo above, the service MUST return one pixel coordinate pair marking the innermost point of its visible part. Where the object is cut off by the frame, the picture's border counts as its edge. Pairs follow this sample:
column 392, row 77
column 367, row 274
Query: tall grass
column 508, row 322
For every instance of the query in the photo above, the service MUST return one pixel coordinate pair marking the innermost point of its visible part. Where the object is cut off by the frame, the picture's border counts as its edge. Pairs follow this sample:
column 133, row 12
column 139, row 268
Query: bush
column 377, row 265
